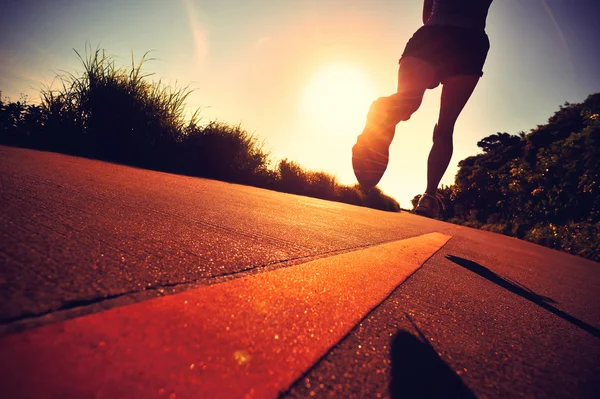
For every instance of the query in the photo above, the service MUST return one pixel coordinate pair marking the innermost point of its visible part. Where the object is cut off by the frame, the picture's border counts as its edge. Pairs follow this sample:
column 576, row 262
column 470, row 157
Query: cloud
column 199, row 33
column 559, row 33
column 262, row 42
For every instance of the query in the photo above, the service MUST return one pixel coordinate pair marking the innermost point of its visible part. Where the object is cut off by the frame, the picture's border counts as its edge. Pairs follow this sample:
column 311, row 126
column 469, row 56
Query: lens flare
column 337, row 98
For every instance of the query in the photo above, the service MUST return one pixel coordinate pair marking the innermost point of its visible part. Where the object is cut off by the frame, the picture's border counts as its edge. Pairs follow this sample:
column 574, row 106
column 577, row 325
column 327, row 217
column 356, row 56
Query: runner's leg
column 456, row 91
column 414, row 77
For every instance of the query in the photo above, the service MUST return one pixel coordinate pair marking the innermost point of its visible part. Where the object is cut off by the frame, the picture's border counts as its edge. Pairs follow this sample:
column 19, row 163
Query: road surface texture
column 122, row 282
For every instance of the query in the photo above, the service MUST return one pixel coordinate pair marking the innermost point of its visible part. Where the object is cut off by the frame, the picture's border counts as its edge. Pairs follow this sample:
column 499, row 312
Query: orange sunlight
column 336, row 99
column 333, row 106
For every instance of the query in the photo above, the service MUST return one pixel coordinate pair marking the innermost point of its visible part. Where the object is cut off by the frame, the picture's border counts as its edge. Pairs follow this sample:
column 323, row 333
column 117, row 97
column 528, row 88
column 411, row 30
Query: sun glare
column 336, row 99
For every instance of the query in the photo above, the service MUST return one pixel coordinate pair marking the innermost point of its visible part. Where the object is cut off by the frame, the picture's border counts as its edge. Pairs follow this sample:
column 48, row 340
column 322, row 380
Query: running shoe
column 428, row 206
column 370, row 154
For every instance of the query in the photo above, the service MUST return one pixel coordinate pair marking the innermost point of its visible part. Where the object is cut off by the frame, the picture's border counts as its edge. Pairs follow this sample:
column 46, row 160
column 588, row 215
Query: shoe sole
column 370, row 167
column 371, row 163
column 366, row 176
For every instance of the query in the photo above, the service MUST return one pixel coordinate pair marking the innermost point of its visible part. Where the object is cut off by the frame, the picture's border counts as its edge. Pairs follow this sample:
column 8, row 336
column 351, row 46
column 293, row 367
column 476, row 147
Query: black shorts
column 450, row 50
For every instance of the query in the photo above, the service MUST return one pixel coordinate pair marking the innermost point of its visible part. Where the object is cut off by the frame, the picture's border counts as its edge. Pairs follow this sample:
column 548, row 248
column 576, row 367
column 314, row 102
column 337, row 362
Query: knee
column 379, row 106
column 399, row 106
column 382, row 110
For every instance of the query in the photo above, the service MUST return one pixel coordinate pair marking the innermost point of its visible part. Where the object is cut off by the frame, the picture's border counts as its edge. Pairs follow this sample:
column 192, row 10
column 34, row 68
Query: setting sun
column 337, row 98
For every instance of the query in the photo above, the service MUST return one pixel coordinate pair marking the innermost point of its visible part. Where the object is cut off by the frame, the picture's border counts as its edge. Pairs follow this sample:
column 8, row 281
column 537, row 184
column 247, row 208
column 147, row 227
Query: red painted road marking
column 246, row 338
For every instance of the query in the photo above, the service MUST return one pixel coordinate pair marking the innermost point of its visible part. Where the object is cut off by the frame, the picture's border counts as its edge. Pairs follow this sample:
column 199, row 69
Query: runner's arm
column 427, row 7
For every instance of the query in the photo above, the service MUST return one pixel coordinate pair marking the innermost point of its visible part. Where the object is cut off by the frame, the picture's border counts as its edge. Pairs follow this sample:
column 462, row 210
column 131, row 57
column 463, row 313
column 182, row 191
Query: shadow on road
column 515, row 288
column 418, row 371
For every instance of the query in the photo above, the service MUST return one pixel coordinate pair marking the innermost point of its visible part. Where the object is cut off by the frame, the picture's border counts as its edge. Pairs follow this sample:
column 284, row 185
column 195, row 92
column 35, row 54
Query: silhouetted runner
column 450, row 48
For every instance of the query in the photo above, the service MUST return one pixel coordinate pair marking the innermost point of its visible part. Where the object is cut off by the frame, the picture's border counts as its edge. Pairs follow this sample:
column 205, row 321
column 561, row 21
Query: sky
column 300, row 74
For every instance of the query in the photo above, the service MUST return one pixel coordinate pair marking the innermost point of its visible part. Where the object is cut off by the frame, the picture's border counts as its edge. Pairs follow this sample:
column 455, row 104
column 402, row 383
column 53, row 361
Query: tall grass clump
column 115, row 113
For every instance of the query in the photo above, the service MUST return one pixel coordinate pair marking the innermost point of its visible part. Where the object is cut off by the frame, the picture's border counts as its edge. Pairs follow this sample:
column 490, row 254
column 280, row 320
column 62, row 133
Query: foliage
column 118, row 114
column 292, row 178
column 220, row 151
column 543, row 186
column 115, row 113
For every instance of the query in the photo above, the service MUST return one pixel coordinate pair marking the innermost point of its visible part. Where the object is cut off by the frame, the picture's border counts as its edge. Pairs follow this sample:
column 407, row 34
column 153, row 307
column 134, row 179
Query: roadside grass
column 120, row 115
column 292, row 178
column 114, row 113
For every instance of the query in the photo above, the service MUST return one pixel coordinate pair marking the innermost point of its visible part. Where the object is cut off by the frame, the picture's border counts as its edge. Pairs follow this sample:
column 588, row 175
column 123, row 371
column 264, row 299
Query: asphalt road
column 486, row 316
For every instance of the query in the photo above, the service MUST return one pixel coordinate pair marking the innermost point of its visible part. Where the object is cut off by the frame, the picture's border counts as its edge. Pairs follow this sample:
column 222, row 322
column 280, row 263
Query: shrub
column 291, row 177
column 223, row 152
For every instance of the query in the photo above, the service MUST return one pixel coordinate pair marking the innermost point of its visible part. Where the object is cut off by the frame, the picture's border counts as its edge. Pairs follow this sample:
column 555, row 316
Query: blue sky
column 266, row 64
